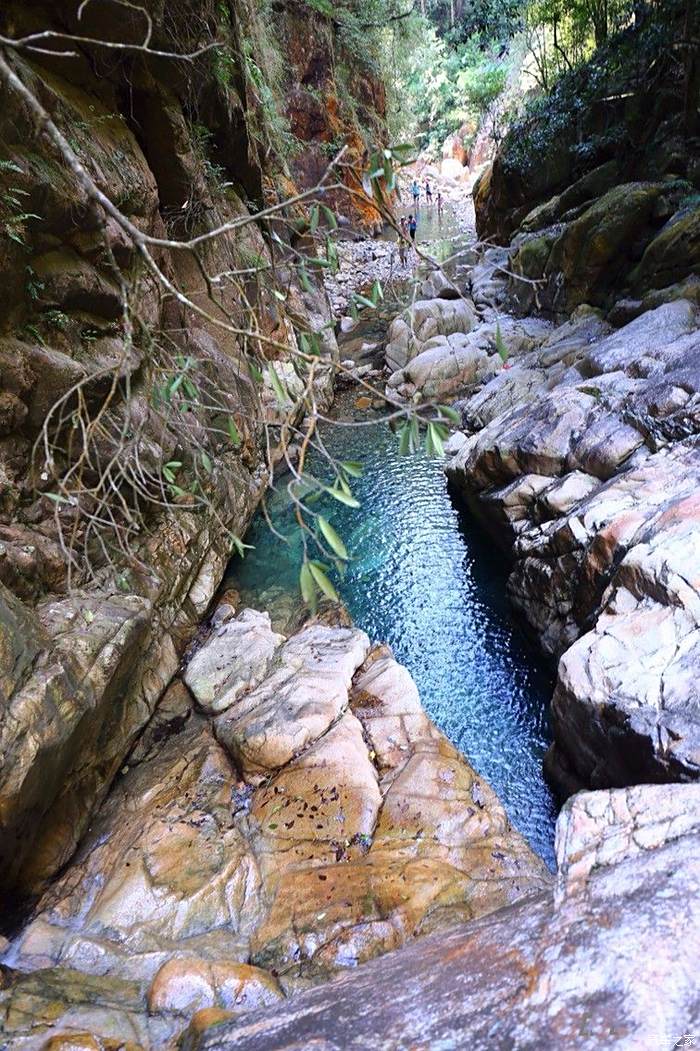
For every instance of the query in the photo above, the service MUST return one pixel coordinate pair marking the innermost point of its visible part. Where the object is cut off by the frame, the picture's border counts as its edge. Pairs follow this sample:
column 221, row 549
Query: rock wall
column 335, row 100
column 180, row 147
column 581, row 452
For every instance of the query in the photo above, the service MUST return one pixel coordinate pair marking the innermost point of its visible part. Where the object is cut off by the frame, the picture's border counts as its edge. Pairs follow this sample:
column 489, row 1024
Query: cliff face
column 335, row 100
column 116, row 394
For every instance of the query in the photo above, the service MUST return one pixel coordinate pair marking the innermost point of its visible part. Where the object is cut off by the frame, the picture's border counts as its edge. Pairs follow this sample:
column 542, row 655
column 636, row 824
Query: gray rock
column 605, row 542
column 235, row 658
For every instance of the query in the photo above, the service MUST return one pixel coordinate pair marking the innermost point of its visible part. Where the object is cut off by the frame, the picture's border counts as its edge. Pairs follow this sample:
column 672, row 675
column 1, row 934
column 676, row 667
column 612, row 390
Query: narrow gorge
column 349, row 525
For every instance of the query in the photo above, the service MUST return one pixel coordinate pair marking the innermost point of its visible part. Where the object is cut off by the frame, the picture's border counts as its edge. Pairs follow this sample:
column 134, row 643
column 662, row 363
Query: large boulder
column 595, row 251
column 450, row 364
column 672, row 254
column 67, row 721
column 424, row 320
column 576, row 967
column 350, row 827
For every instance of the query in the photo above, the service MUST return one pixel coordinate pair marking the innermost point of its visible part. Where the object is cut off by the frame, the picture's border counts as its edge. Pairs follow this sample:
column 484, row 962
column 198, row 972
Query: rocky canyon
column 231, row 814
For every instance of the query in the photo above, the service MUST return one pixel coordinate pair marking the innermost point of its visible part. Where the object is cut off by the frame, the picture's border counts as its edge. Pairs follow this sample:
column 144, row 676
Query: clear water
column 426, row 581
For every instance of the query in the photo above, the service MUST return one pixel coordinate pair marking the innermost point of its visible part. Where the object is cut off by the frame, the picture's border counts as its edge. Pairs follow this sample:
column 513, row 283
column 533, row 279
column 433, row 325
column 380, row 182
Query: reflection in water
column 429, row 584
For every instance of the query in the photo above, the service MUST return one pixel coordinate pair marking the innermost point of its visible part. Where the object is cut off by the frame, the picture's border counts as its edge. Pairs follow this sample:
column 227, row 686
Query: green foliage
column 444, row 85
column 203, row 144
column 13, row 217
column 264, row 75
column 560, row 118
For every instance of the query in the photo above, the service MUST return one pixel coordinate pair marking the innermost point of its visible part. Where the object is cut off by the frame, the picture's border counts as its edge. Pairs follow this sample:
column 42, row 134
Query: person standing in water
column 439, row 202
column 415, row 190
column 412, row 227
column 428, row 193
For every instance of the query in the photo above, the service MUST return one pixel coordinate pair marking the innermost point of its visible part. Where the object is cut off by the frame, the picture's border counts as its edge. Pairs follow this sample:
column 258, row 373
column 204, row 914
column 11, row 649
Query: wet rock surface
column 317, row 820
column 554, row 970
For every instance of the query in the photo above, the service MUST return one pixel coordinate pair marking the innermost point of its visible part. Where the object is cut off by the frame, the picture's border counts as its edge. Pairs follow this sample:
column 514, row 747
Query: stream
column 426, row 580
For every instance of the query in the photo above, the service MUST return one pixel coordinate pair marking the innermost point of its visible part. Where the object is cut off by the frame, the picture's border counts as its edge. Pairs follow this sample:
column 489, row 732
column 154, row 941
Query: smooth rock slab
column 606, row 960
column 235, row 658
column 306, row 692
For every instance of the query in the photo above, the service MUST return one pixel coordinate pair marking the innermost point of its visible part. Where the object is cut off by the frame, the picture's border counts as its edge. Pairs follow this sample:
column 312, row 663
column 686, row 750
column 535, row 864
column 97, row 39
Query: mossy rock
column 593, row 253
column 673, row 254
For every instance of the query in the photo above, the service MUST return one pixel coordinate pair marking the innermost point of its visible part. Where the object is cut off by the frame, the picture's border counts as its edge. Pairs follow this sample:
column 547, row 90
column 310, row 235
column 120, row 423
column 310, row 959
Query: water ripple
column 426, row 581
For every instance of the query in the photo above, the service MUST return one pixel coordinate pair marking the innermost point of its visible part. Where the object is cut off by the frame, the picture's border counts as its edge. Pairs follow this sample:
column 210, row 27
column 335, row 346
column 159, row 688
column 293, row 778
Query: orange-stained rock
column 575, row 968
column 441, row 850
column 356, row 826
column 203, row 1021
column 184, row 985
column 74, row 1042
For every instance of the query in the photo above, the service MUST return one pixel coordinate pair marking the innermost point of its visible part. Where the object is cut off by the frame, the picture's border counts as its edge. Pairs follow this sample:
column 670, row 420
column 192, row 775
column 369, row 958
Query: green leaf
column 319, row 575
column 405, row 439
column 353, row 468
column 332, row 255
column 329, row 216
column 501, row 348
column 341, row 497
column 315, row 216
column 377, row 292
column 403, row 150
column 233, row 431
column 279, row 295
column 308, row 586
column 331, row 537
column 281, row 392
column 175, row 385
column 365, row 301
column 449, row 413
column 304, row 279
column 388, row 172
column 240, row 547
column 255, row 372
column 433, row 442
column 206, row 462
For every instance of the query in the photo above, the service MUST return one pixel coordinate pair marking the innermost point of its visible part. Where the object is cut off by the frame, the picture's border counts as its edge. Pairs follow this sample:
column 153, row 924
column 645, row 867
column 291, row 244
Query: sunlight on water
column 428, row 583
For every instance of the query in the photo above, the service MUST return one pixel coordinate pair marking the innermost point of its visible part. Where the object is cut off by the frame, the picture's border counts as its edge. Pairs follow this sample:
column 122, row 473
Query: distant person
column 412, row 227
column 439, row 203
column 403, row 237
column 428, row 193
column 415, row 190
